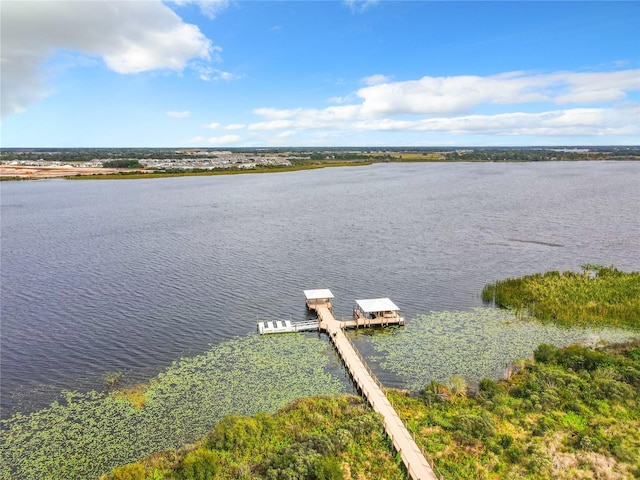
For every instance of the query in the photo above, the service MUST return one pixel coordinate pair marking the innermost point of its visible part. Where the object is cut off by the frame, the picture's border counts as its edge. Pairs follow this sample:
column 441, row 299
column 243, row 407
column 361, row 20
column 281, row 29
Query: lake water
column 129, row 275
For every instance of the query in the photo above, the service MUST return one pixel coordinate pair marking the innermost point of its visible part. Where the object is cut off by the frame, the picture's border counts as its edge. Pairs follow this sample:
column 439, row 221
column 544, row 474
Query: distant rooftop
column 318, row 294
column 373, row 305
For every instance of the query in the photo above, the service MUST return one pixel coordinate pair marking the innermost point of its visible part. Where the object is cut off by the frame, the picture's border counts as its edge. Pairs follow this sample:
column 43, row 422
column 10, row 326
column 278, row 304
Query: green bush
column 489, row 389
column 435, row 392
column 235, row 432
column 201, row 464
column 470, row 427
column 327, row 468
column 135, row 471
column 545, row 353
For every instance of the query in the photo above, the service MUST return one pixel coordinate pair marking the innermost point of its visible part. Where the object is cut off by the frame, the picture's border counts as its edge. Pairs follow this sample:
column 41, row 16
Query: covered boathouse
column 319, row 297
column 376, row 311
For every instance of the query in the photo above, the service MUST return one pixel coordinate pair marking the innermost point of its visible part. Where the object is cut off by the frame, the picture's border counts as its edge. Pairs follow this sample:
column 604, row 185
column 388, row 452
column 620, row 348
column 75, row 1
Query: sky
column 234, row 73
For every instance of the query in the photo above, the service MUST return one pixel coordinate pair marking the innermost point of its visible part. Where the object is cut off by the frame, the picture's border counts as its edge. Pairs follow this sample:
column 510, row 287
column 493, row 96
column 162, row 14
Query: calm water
column 128, row 276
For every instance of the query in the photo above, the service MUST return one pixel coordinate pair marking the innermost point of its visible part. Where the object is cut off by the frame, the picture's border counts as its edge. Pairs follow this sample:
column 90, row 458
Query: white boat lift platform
column 286, row 326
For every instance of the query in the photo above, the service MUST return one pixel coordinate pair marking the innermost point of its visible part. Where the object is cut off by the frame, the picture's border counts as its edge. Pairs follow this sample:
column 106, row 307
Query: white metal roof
column 377, row 305
column 318, row 294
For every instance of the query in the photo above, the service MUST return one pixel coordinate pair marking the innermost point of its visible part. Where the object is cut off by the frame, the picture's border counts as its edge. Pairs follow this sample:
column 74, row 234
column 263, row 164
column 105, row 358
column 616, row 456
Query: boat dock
column 370, row 312
column 373, row 312
column 286, row 326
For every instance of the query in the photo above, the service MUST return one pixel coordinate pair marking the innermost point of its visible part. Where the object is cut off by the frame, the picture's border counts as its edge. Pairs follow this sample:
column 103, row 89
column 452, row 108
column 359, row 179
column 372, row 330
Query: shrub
column 580, row 358
column 545, row 353
column 489, row 389
column 235, row 432
column 539, row 463
column 363, row 426
column 295, row 463
column 435, row 392
column 514, row 454
column 457, row 386
column 470, row 427
column 201, row 464
column 135, row 471
column 327, row 468
column 505, row 441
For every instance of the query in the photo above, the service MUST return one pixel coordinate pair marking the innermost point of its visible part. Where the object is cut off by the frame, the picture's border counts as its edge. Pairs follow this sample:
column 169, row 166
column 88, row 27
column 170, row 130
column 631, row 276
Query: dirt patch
column 26, row 172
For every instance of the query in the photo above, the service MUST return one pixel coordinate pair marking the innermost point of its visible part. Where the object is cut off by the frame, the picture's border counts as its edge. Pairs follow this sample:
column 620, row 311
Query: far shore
column 81, row 170
column 68, row 172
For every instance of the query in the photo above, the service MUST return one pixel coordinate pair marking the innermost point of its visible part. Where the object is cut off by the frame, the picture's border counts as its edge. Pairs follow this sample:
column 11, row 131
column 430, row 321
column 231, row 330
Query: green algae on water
column 473, row 344
column 87, row 434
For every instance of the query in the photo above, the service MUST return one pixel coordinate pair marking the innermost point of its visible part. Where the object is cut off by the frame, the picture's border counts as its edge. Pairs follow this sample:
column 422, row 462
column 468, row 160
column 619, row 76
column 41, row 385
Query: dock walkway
column 417, row 466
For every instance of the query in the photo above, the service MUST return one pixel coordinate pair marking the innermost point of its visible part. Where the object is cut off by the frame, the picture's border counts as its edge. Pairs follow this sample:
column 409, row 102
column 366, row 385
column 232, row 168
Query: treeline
column 486, row 154
column 125, row 163
column 543, row 155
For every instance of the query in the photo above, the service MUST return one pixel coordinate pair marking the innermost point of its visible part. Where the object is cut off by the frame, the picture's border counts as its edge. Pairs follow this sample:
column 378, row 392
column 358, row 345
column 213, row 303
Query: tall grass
column 596, row 296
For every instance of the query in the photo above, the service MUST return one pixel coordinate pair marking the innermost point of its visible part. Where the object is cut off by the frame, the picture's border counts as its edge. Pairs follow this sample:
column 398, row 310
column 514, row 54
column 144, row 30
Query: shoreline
column 20, row 173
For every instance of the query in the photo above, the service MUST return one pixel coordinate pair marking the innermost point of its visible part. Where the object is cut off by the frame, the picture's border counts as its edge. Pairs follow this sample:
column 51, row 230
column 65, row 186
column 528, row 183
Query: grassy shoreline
column 568, row 413
column 598, row 296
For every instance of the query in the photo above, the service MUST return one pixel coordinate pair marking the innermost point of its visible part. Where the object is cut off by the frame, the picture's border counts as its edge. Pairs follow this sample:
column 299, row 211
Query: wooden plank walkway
column 417, row 466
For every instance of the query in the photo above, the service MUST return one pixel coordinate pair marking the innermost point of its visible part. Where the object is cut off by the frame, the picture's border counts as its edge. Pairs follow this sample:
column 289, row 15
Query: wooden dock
column 414, row 461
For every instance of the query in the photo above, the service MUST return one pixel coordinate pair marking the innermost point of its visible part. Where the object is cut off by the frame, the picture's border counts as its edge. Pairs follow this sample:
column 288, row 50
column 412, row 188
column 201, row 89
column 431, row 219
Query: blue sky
column 231, row 73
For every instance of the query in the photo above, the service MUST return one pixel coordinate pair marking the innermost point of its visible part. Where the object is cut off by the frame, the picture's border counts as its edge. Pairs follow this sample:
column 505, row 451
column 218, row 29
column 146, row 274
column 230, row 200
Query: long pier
column 414, row 461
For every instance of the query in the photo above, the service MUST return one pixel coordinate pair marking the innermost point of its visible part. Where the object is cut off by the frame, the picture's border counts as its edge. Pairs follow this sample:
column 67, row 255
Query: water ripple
column 131, row 275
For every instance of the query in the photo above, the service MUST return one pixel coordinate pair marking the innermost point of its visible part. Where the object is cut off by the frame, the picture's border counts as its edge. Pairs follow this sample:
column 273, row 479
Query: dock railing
column 411, row 472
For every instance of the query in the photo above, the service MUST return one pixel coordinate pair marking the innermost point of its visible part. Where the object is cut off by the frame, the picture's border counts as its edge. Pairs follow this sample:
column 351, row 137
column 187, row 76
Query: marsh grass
column 112, row 379
column 598, row 296
column 134, row 394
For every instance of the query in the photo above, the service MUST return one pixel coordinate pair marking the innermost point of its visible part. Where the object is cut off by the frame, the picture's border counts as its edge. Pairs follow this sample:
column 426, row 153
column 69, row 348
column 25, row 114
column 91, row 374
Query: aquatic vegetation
column 112, row 379
column 86, row 434
column 328, row 438
column 474, row 344
column 597, row 296
column 572, row 413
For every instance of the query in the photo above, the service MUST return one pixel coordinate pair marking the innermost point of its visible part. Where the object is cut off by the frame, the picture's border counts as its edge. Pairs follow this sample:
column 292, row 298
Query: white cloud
column 376, row 79
column 437, row 97
column 209, row 74
column 210, row 8
column 460, row 94
column 359, row 6
column 285, row 134
column 175, row 114
column 224, row 140
column 457, row 105
column 219, row 126
column 579, row 121
column 130, row 36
